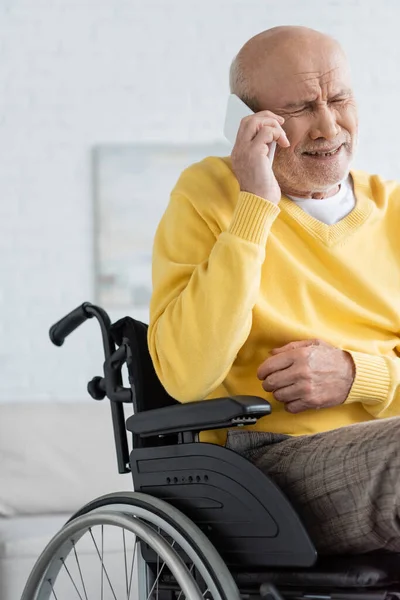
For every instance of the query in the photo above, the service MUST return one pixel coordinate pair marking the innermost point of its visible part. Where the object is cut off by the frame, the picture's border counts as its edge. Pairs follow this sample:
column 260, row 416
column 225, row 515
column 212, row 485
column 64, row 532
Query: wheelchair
column 203, row 521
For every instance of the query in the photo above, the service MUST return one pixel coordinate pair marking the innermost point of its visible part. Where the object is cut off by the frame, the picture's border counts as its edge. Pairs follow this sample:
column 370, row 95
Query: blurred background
column 75, row 75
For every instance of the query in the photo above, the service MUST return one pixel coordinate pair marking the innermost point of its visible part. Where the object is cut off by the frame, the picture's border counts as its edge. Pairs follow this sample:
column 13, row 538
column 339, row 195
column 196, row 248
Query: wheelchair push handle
column 60, row 330
column 111, row 384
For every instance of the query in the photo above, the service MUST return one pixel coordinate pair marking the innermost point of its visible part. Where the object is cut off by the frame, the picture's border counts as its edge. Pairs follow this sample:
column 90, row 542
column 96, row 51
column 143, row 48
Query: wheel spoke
column 70, row 576
column 171, row 545
column 131, row 575
column 102, row 564
column 158, row 565
column 158, row 576
column 102, row 556
column 52, row 589
column 126, row 565
column 79, row 568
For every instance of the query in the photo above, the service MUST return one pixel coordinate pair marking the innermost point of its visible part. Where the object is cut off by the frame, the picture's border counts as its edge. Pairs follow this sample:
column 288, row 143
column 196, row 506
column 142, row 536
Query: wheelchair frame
column 245, row 515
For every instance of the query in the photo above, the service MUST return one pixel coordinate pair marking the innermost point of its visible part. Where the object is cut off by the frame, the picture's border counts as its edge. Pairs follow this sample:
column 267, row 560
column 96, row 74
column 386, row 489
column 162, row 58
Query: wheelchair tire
column 145, row 517
column 151, row 509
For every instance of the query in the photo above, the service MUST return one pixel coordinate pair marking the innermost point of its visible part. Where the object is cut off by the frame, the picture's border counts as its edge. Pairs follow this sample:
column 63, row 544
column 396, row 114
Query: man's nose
column 324, row 125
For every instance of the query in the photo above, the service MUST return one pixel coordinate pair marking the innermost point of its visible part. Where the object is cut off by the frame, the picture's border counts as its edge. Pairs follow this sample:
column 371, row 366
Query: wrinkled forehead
column 294, row 76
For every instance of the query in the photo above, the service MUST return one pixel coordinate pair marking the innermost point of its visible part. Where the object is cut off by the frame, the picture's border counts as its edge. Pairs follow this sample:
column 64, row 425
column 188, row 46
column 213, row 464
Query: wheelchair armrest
column 199, row 416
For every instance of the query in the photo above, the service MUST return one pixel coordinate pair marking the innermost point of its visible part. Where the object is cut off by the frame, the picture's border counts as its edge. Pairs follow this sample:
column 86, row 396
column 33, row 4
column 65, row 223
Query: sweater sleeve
column 376, row 384
column 205, row 285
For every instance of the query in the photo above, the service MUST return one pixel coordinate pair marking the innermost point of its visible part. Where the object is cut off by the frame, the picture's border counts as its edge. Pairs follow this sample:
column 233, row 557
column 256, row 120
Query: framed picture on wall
column 132, row 184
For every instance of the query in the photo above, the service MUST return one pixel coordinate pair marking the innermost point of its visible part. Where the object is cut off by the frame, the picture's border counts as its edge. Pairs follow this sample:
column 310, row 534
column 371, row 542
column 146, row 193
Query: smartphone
column 235, row 112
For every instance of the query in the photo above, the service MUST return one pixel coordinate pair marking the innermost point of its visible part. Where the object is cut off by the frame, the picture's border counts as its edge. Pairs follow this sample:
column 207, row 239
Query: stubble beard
column 297, row 173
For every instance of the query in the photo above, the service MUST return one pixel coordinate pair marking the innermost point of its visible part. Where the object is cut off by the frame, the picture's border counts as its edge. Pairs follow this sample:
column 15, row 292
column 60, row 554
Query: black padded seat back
column 148, row 391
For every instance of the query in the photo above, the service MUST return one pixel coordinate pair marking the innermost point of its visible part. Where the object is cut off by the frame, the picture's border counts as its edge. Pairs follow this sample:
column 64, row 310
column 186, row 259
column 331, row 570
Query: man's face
column 321, row 122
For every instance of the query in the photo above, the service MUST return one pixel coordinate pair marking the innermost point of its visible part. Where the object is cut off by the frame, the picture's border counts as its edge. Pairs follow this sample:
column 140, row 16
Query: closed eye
column 338, row 100
column 300, row 110
column 310, row 107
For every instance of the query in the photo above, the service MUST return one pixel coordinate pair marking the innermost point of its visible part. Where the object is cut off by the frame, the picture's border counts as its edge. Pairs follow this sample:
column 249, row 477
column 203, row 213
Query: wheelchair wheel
column 162, row 555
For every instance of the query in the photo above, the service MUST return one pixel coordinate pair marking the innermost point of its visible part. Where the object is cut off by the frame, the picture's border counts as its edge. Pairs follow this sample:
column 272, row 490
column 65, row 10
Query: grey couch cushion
column 27, row 536
column 55, row 457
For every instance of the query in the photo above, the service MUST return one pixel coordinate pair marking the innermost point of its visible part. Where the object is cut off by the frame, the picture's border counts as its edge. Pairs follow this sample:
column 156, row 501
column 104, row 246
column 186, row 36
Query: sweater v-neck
column 332, row 234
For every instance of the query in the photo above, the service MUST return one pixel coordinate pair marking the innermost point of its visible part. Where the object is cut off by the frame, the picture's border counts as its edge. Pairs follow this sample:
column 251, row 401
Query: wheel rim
column 61, row 560
column 223, row 585
column 48, row 588
column 164, row 526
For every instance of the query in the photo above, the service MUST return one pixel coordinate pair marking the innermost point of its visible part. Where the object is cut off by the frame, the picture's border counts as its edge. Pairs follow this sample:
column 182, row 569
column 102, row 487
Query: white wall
column 74, row 73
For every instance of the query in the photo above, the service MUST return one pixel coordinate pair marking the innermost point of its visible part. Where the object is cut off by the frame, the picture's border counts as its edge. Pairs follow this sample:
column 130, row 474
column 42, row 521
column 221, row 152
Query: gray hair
column 239, row 83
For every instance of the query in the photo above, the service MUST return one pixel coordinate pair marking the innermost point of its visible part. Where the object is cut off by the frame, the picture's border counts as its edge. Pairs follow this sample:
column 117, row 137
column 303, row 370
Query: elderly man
column 285, row 282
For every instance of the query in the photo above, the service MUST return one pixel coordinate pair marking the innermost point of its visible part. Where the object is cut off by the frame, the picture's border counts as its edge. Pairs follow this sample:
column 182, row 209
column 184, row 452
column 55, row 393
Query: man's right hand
column 250, row 161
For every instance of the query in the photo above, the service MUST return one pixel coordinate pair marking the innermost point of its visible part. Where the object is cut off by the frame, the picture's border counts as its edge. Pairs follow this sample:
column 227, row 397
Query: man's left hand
column 308, row 374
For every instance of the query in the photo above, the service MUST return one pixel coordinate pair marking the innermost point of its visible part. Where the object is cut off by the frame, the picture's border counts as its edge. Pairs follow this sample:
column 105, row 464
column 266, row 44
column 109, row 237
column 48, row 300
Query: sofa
column 54, row 458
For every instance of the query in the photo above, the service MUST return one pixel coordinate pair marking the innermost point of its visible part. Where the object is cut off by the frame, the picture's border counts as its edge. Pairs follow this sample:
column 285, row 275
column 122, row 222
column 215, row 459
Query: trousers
column 344, row 483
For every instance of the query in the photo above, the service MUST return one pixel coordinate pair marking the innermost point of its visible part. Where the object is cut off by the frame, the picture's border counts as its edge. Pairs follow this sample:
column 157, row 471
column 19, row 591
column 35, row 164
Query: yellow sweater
column 235, row 276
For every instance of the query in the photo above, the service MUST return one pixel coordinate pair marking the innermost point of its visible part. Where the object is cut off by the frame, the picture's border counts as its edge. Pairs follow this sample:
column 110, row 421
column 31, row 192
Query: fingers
column 275, row 363
column 252, row 120
column 264, row 127
column 289, row 394
column 271, row 133
column 269, row 113
column 280, row 380
column 296, row 407
column 297, row 344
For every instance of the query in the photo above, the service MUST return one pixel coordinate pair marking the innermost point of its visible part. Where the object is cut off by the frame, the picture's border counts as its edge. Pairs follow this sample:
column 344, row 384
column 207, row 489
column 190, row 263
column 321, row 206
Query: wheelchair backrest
column 148, row 390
